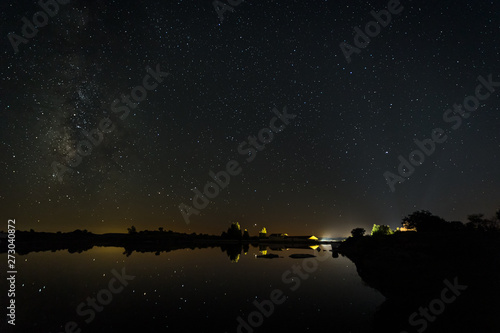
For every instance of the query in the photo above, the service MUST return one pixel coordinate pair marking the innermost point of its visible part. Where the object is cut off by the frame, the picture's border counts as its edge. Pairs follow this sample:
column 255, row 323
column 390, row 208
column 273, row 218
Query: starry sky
column 323, row 174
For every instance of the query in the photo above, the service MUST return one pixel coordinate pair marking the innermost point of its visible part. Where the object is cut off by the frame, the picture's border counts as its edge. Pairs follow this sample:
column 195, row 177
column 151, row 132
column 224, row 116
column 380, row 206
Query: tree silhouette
column 263, row 233
column 358, row 232
column 424, row 221
column 477, row 222
column 234, row 231
column 245, row 234
column 160, row 229
column 132, row 230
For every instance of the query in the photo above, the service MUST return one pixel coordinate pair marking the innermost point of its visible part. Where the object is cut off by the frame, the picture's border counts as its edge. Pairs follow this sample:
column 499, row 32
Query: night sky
column 323, row 174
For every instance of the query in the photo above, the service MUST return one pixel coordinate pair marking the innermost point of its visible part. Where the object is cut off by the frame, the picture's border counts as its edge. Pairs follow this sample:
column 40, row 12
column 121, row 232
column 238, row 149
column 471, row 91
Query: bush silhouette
column 358, row 232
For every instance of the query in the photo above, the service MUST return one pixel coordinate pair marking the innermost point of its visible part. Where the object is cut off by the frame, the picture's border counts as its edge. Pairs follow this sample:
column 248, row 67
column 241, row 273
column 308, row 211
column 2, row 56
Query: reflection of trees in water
column 80, row 249
column 157, row 243
column 234, row 250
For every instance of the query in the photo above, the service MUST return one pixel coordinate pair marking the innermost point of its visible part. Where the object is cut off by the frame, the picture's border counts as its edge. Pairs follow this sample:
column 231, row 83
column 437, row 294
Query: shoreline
column 410, row 270
column 151, row 241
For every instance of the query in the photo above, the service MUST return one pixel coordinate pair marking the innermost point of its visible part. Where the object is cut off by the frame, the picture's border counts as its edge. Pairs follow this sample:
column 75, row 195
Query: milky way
column 323, row 175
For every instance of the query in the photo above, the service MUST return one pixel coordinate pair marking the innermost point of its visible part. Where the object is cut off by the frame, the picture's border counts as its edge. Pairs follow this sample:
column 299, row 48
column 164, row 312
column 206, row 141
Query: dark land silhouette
column 409, row 269
column 158, row 241
column 408, row 266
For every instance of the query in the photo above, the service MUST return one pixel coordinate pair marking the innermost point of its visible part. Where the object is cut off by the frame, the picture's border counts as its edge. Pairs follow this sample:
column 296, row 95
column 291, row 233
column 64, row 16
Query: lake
column 191, row 290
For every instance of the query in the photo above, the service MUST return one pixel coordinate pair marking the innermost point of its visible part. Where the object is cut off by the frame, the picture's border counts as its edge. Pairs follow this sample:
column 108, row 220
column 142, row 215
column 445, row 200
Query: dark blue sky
column 322, row 174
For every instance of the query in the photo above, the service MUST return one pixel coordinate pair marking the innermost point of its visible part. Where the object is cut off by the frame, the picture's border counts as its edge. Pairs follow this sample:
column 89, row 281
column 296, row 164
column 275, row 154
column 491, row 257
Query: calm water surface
column 200, row 290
